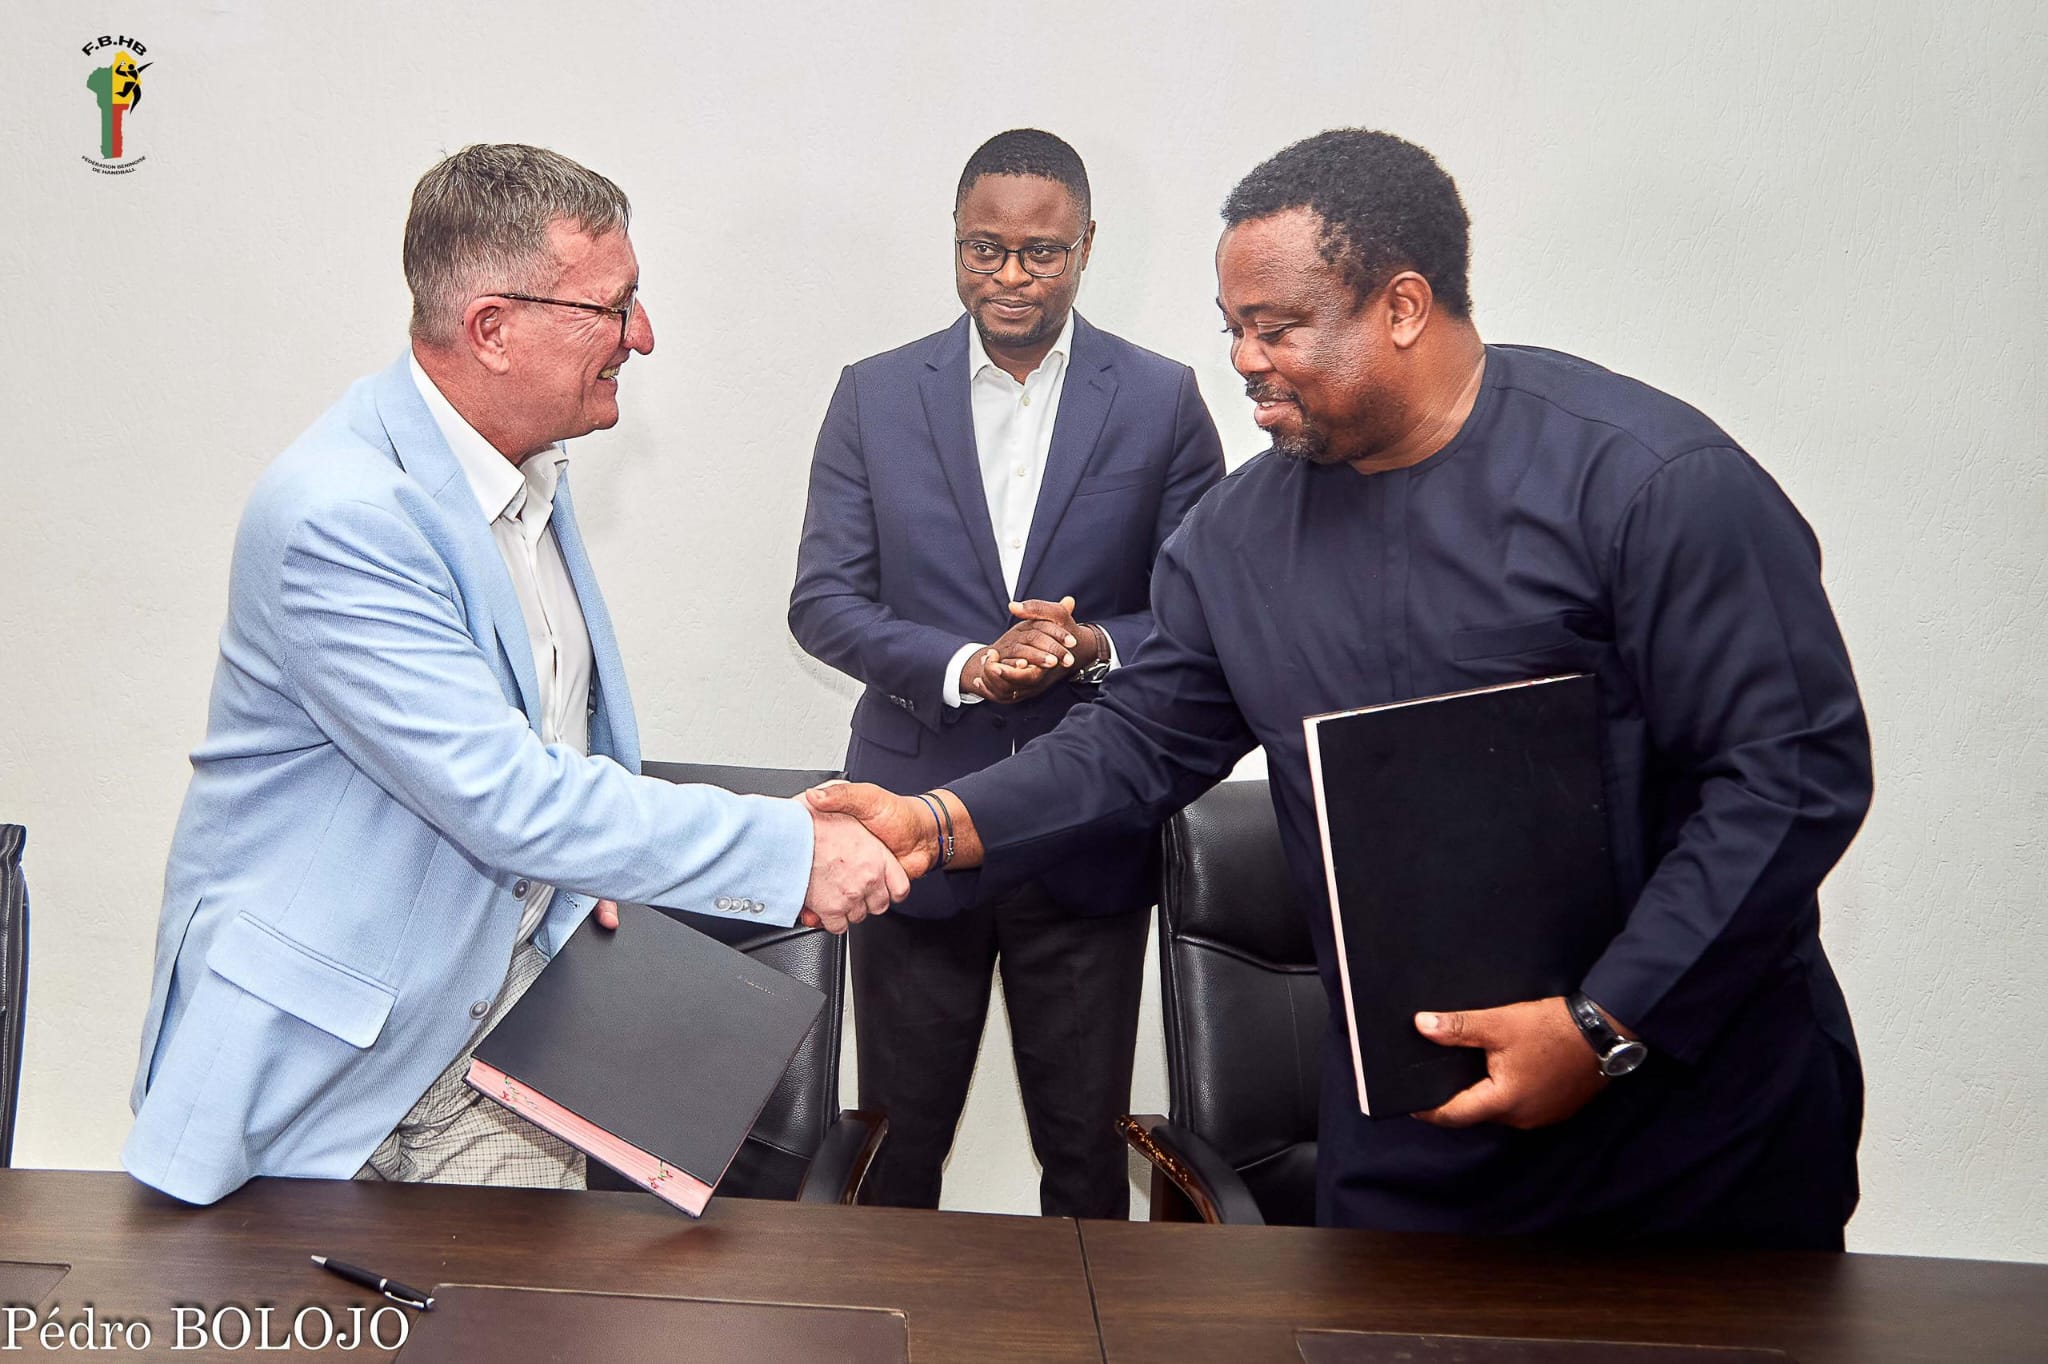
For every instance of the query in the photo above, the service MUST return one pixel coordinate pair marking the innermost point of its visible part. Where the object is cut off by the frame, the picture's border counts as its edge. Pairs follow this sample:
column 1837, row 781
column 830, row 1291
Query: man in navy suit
column 1437, row 514
column 985, row 505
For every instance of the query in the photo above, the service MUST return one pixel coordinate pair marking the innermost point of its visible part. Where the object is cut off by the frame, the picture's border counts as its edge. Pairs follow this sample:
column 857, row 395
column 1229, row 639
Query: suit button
column 520, row 890
column 723, row 903
column 999, row 722
column 480, row 1008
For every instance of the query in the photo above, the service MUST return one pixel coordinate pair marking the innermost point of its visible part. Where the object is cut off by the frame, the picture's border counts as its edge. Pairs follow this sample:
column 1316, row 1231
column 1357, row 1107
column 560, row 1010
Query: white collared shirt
column 518, row 501
column 1013, row 426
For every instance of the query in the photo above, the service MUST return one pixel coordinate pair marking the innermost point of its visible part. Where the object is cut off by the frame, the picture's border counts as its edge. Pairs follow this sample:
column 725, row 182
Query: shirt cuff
column 950, row 691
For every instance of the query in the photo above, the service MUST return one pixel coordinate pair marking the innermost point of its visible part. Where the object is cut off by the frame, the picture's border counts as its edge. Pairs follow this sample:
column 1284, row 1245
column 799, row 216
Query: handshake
column 868, row 845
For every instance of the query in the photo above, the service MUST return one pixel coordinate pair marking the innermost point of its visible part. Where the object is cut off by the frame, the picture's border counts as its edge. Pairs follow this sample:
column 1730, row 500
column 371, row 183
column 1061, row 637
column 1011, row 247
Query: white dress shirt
column 1013, row 425
column 517, row 500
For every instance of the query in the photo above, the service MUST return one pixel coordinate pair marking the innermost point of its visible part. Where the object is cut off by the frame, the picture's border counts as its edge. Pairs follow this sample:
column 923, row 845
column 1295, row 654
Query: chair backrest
column 1243, row 1007
column 772, row 1160
column 13, row 978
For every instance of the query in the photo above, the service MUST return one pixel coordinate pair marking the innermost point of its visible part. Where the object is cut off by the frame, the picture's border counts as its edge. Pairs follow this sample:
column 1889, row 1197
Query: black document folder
column 1465, row 843
column 651, row 1048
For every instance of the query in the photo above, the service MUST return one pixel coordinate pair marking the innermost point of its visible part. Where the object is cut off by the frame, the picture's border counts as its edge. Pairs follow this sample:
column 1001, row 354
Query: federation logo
column 118, row 88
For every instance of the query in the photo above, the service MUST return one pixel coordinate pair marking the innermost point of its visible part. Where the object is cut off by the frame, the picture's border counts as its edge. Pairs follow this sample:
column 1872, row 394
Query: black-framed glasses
column 1041, row 260
column 623, row 310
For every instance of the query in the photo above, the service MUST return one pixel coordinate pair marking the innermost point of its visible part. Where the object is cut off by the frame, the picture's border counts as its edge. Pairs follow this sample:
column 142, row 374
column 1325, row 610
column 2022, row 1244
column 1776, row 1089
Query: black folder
column 1465, row 843
column 665, row 1041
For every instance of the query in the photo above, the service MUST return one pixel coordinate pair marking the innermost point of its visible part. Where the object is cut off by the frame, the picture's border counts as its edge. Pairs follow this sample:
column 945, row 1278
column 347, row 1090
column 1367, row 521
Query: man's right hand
column 905, row 824
column 852, row 874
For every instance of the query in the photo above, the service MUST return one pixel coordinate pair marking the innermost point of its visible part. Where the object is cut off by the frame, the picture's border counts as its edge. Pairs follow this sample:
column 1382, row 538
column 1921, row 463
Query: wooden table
column 975, row 1287
column 1191, row 1293
column 971, row 1287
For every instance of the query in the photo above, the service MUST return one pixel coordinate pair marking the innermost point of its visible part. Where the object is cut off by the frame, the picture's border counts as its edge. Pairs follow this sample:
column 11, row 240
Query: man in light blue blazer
column 420, row 767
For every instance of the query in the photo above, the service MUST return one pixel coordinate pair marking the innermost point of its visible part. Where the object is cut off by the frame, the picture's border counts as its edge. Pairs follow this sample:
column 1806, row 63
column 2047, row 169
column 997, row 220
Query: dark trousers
column 1070, row 985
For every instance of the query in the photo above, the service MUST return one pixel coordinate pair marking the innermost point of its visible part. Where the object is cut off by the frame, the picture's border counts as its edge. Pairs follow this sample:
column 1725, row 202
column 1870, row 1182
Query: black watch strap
column 1099, row 669
column 1617, row 1055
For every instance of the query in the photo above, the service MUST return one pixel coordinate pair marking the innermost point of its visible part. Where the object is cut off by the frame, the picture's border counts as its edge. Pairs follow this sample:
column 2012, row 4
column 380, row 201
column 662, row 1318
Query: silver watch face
column 1622, row 1058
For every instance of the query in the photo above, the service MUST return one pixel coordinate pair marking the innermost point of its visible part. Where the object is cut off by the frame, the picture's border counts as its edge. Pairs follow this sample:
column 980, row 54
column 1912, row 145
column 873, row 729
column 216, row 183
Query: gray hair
column 480, row 220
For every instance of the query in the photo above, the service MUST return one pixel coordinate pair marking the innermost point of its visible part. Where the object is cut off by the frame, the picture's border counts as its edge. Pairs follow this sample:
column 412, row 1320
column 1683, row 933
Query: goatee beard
column 1044, row 331
column 1310, row 445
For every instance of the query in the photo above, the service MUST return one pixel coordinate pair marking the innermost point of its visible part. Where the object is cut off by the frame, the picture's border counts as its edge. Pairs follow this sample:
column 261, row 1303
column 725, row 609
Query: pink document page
column 651, row 1173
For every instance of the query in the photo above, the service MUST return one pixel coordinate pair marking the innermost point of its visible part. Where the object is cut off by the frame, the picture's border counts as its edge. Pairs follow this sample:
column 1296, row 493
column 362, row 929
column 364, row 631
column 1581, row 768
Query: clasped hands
column 902, row 831
column 1045, row 645
column 853, row 875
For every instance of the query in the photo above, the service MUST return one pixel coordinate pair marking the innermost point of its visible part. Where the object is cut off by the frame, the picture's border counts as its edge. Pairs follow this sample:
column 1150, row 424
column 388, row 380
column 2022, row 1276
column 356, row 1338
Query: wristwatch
column 1099, row 669
column 1617, row 1055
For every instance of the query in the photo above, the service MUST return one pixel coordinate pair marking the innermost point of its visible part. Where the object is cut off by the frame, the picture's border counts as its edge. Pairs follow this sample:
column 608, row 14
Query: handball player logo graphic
column 118, row 87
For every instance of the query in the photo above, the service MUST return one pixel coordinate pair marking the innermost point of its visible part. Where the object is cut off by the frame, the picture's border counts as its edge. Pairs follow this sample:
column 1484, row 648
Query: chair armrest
column 1190, row 1180
column 843, row 1157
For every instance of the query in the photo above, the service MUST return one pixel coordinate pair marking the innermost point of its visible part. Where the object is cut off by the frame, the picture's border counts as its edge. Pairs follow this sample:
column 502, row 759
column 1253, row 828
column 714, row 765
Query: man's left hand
column 1045, row 645
column 1539, row 1069
column 1056, row 618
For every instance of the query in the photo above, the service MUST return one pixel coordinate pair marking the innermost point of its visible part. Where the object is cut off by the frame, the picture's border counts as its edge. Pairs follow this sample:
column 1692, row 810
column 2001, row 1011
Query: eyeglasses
column 624, row 311
column 1041, row 260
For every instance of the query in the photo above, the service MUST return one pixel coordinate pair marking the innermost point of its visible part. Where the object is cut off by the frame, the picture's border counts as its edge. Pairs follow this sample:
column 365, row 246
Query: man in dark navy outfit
column 1438, row 514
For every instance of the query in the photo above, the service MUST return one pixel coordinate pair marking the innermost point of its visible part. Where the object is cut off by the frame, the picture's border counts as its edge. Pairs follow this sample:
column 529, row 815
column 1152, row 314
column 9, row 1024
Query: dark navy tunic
column 1580, row 521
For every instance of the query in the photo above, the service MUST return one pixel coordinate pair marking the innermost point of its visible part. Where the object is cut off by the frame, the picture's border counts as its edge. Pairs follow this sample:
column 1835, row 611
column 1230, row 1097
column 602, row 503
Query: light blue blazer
column 345, row 882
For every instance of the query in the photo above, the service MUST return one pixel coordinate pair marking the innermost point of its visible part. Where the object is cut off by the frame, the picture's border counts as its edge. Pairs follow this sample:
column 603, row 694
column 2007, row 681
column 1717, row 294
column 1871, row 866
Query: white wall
column 1819, row 222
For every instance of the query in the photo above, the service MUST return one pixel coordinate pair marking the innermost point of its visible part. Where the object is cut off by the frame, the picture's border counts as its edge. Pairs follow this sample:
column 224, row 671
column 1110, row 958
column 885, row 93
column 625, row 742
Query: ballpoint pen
column 390, row 1288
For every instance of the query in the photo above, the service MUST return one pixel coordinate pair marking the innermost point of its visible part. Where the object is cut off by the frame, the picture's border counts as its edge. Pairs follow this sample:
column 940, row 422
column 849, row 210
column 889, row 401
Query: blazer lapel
column 1084, row 407
column 612, row 727
column 488, row 602
column 948, row 410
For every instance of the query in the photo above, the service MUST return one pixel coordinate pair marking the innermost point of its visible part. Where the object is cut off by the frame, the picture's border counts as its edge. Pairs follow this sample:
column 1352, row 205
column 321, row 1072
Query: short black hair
column 1027, row 151
column 1386, row 206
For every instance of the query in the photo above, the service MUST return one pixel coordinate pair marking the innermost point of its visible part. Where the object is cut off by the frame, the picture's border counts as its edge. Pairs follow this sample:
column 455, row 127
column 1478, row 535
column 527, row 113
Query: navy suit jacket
column 898, row 566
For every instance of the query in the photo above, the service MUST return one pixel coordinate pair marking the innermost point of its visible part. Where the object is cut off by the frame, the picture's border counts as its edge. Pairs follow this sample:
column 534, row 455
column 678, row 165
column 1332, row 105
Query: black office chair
column 803, row 1147
column 13, row 978
column 1244, row 1013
